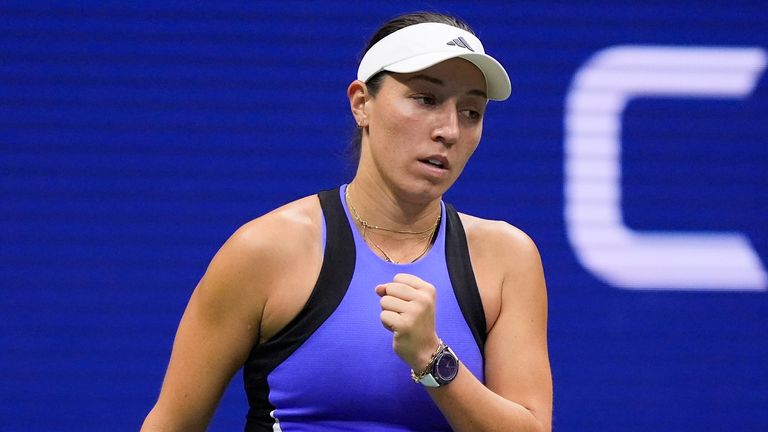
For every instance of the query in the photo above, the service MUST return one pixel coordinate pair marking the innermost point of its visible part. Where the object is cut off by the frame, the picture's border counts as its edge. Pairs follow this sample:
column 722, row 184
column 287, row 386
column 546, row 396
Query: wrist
column 441, row 369
column 426, row 355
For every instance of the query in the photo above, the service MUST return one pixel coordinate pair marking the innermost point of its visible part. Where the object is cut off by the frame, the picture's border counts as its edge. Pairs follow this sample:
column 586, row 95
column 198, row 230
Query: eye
column 472, row 114
column 425, row 99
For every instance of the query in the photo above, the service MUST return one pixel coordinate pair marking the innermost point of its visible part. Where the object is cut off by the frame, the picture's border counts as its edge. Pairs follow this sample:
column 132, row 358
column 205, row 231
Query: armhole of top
column 463, row 277
column 331, row 286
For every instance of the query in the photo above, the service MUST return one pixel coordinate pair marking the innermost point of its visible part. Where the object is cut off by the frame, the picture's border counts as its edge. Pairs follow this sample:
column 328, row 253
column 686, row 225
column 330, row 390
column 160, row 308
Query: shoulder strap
column 463, row 278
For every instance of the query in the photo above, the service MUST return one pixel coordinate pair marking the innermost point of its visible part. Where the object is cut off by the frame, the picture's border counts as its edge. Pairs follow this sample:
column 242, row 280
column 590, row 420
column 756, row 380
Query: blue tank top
column 332, row 368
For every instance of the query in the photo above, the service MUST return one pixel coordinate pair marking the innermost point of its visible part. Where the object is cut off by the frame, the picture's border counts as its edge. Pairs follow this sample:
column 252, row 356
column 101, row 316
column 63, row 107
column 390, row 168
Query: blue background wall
column 135, row 138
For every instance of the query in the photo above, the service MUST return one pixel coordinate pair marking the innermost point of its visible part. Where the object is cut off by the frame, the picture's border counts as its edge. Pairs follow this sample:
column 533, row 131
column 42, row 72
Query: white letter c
column 603, row 243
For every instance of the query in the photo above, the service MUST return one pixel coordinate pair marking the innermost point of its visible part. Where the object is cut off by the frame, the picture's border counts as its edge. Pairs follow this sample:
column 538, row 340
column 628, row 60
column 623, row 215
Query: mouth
column 438, row 162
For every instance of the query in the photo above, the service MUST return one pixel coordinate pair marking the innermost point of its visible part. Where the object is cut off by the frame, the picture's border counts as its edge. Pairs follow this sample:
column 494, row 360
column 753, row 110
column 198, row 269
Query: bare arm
column 517, row 395
column 212, row 341
column 247, row 294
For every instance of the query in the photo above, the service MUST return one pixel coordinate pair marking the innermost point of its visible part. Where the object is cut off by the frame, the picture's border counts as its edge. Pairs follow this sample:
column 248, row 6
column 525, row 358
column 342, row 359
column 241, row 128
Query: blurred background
column 135, row 137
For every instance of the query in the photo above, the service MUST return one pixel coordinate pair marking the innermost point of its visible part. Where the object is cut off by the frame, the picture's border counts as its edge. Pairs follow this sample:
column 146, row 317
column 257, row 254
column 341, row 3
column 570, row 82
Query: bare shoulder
column 256, row 257
column 282, row 231
column 506, row 264
column 508, row 243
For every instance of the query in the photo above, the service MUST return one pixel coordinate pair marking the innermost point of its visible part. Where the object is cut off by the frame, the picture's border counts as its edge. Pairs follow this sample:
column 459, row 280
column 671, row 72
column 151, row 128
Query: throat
column 400, row 251
column 395, row 245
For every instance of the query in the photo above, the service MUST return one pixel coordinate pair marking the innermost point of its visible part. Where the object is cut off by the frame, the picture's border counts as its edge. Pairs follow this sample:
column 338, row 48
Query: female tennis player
column 376, row 306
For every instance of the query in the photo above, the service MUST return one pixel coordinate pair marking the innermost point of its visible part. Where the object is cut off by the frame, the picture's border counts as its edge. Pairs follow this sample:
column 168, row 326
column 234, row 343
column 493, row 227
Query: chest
column 291, row 292
column 350, row 357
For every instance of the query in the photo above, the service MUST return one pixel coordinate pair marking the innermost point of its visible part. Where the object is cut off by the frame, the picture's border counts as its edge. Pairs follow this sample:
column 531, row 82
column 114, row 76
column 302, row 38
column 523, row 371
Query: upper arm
column 517, row 361
column 216, row 333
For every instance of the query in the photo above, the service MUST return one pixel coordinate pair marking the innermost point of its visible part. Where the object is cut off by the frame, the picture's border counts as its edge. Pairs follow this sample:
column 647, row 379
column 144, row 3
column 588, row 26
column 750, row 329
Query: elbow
column 152, row 423
column 541, row 426
column 159, row 421
column 539, row 423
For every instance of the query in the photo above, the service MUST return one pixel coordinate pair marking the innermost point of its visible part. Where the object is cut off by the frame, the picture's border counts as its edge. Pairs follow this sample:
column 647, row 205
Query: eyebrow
column 433, row 80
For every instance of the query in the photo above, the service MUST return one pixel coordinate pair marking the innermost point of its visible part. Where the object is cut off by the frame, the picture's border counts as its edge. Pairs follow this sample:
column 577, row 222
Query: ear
column 357, row 92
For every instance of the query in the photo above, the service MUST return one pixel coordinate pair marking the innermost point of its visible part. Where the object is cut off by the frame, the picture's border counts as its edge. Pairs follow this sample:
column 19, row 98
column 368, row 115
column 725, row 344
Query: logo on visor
column 460, row 42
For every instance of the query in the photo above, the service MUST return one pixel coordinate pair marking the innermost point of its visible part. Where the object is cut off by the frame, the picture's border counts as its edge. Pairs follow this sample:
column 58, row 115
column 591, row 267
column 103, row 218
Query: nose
column 447, row 125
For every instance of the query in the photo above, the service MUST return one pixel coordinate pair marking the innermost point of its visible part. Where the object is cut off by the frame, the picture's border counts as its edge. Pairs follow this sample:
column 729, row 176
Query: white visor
column 420, row 46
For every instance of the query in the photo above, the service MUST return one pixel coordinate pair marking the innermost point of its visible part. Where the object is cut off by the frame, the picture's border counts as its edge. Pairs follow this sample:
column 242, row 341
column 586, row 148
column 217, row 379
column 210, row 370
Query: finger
column 399, row 290
column 393, row 304
column 390, row 320
column 413, row 281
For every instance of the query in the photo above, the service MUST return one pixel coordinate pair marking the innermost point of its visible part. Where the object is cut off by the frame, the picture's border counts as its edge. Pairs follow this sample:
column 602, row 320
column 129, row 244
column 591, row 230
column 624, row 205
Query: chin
column 427, row 191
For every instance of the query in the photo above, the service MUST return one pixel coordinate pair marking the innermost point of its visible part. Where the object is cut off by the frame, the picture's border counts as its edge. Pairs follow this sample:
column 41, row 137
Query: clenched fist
column 408, row 311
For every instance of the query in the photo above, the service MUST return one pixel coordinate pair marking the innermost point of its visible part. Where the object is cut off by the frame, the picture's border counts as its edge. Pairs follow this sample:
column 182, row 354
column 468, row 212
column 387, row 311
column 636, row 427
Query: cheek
column 392, row 127
column 473, row 140
column 400, row 118
column 476, row 134
column 465, row 159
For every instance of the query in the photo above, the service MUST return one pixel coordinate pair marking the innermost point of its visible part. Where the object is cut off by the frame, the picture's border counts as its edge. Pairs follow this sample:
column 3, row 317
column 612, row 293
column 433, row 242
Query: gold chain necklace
column 427, row 234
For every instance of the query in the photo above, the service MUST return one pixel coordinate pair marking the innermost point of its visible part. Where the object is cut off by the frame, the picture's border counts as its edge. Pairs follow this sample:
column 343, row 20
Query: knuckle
column 426, row 298
column 432, row 294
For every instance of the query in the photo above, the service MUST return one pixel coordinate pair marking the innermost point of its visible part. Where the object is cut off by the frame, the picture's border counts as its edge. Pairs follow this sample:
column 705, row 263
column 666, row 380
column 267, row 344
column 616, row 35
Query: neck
column 385, row 208
column 396, row 242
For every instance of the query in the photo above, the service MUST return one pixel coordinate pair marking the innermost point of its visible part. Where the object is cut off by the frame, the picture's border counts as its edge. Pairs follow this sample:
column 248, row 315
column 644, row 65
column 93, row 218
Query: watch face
column 446, row 367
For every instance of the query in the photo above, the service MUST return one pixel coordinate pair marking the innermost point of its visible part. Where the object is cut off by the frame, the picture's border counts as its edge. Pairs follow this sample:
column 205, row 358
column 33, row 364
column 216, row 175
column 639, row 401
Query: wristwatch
column 441, row 370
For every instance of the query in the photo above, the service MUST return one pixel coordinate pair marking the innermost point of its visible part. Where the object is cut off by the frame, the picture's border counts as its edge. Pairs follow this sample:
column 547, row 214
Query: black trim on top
column 463, row 277
column 331, row 286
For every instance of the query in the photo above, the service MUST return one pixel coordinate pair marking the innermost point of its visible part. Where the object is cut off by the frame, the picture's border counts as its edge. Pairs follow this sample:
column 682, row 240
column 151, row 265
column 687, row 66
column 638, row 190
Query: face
column 422, row 128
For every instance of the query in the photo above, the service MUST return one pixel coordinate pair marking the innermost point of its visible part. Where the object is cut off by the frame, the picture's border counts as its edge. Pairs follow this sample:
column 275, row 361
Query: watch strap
column 429, row 381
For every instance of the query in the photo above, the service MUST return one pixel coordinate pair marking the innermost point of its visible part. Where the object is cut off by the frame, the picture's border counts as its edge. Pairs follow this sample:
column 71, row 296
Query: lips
column 437, row 161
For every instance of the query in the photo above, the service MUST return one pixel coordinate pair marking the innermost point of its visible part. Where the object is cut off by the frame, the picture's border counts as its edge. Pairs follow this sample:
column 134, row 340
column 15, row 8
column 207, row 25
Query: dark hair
column 389, row 27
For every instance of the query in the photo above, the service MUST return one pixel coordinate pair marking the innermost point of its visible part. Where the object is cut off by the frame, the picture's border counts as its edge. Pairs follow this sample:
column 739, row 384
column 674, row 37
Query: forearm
column 469, row 405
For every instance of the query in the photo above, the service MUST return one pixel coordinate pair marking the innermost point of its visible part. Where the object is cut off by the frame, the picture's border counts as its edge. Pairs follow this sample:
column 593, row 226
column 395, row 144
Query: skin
column 434, row 113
